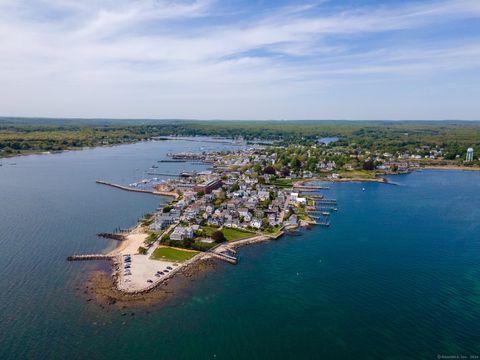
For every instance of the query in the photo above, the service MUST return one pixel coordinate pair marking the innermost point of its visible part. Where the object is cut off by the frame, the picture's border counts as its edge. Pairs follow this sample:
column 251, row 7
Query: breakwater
column 90, row 257
column 126, row 188
column 119, row 237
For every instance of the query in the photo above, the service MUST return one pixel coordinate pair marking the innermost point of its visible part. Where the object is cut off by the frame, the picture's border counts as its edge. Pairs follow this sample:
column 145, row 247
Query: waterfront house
column 181, row 233
column 292, row 220
column 256, row 223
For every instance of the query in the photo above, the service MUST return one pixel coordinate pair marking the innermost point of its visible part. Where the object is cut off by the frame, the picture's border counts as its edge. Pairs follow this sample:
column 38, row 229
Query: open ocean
column 396, row 276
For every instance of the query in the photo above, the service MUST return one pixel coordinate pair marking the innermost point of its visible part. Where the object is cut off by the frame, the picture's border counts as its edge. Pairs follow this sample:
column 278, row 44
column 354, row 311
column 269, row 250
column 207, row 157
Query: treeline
column 20, row 135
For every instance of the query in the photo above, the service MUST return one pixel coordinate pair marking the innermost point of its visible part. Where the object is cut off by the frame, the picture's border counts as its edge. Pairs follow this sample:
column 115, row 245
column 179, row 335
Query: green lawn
column 359, row 174
column 209, row 230
column 302, row 214
column 170, row 254
column 284, row 183
column 235, row 234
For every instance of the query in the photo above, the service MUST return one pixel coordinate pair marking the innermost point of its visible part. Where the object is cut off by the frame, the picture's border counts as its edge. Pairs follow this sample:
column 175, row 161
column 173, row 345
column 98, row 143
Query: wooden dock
column 314, row 197
column 326, row 201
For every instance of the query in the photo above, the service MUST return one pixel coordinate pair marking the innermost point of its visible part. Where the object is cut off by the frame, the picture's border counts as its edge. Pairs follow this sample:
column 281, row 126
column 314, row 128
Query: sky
column 241, row 59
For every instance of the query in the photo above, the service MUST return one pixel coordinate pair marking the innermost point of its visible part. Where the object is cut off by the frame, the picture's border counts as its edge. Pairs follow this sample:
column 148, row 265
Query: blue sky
column 240, row 59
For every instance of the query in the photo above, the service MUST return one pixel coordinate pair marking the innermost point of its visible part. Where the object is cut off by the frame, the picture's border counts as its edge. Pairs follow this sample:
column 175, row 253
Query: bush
column 142, row 250
column 218, row 237
column 368, row 165
column 269, row 170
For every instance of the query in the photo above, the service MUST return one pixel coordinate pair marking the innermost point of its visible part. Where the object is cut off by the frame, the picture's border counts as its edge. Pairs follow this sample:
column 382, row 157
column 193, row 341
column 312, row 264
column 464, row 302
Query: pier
column 326, row 201
column 113, row 236
column 162, row 174
column 172, row 161
column 228, row 258
column 315, row 197
column 90, row 257
column 126, row 188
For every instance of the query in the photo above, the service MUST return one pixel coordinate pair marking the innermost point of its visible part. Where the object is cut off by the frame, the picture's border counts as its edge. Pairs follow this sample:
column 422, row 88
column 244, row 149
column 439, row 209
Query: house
column 263, row 195
column 292, row 220
column 189, row 196
column 162, row 221
column 209, row 209
column 259, row 213
column 243, row 212
column 272, row 219
column 301, row 200
column 233, row 223
column 215, row 221
column 217, row 193
column 208, row 187
column 256, row 223
column 191, row 213
column 181, row 233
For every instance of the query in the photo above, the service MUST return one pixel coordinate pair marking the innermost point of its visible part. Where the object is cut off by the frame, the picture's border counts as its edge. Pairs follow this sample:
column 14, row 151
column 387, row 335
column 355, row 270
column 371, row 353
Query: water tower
column 469, row 154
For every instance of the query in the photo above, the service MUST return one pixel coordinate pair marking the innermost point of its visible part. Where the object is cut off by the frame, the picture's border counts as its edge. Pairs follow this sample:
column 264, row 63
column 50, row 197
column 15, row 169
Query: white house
column 256, row 223
column 181, row 233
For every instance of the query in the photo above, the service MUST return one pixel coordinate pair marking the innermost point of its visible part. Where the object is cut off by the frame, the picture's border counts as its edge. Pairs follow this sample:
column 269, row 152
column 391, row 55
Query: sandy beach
column 133, row 240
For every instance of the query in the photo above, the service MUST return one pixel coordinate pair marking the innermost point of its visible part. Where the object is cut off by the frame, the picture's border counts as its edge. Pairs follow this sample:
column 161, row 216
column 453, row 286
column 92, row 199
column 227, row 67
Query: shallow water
column 396, row 275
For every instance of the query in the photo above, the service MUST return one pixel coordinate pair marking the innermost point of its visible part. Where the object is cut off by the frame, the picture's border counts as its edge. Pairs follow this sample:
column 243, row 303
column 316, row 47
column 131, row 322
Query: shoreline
column 134, row 237
column 83, row 148
column 303, row 182
column 137, row 287
column 451, row 167
column 103, row 285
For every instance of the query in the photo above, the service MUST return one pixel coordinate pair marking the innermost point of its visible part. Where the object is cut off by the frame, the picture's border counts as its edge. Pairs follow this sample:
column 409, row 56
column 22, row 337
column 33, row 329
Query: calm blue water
column 397, row 276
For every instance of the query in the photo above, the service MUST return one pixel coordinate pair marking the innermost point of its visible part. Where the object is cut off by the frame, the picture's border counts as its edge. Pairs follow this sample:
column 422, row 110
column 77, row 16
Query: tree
column 285, row 171
column 235, row 187
column 269, row 170
column 295, row 163
column 218, row 237
column 142, row 250
column 188, row 242
column 368, row 165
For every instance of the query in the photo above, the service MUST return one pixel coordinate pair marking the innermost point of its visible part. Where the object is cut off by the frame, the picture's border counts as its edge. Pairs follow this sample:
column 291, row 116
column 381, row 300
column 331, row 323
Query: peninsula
column 249, row 195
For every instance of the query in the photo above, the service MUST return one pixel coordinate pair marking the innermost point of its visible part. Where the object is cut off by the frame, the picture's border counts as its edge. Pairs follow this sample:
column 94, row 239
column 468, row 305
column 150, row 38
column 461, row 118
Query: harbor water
column 395, row 276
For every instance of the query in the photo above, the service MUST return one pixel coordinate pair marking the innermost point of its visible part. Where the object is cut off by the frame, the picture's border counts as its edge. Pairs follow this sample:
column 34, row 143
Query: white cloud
column 176, row 53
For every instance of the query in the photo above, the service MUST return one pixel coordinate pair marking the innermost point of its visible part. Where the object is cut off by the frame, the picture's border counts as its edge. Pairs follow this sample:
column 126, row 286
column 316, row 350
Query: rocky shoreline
column 101, row 287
